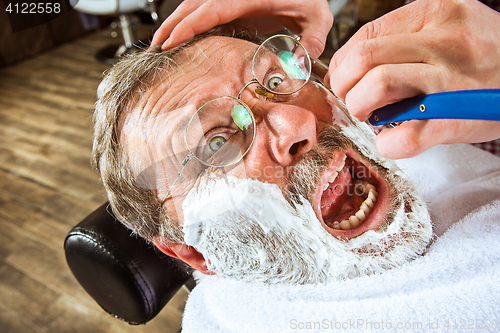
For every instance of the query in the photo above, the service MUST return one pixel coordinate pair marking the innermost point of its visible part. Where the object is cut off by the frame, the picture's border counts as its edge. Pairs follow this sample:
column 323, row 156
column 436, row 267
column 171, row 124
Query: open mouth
column 351, row 197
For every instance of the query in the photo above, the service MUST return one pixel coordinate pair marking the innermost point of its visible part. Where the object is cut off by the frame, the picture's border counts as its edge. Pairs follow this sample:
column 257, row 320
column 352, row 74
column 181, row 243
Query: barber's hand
column 310, row 18
column 425, row 47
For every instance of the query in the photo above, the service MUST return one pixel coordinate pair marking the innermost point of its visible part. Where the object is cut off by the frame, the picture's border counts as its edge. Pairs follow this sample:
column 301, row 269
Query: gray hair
column 134, row 206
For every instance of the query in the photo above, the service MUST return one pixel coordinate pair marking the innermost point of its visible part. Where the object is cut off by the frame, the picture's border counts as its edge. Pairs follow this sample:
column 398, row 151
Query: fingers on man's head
column 412, row 138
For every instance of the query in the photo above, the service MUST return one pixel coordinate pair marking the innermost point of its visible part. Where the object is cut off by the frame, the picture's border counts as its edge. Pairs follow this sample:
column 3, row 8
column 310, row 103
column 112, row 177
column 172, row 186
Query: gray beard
column 254, row 231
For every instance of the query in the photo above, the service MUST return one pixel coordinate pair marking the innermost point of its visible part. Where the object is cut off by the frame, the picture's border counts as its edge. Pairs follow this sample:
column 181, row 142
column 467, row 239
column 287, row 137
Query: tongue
column 339, row 199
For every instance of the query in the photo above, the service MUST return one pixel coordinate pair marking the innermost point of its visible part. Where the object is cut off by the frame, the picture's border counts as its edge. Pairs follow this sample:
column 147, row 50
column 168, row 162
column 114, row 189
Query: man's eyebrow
column 183, row 117
column 264, row 52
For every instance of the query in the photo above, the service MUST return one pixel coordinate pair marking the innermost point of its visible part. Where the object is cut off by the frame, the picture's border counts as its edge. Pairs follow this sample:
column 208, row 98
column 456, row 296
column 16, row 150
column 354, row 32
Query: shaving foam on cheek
column 219, row 204
column 361, row 135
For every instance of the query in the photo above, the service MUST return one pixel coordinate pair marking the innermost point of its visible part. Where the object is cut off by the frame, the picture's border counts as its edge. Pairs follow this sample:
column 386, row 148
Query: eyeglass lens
column 281, row 65
column 221, row 132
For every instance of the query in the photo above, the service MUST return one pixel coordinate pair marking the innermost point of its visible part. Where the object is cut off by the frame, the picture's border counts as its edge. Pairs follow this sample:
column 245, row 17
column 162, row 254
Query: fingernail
column 167, row 44
column 327, row 82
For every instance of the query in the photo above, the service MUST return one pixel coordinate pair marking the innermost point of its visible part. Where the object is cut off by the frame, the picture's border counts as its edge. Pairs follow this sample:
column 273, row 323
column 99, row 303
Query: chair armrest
column 124, row 274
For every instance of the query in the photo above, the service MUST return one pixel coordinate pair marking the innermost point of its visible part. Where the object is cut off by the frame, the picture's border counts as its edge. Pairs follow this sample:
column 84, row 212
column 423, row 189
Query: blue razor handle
column 481, row 104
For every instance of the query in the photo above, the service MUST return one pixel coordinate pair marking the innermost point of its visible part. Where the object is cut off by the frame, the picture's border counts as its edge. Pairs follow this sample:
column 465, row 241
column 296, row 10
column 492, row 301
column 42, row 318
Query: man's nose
column 290, row 131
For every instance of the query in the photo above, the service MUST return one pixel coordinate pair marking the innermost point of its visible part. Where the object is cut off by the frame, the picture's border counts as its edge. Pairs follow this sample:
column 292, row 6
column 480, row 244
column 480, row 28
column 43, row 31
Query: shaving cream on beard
column 246, row 230
column 220, row 208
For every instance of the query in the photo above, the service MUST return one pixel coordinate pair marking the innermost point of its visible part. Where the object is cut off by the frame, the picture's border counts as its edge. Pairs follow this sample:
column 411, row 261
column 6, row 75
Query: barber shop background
column 49, row 72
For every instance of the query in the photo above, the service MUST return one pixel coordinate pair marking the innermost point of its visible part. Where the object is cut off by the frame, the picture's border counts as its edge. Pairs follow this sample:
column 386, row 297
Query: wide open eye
column 221, row 146
column 215, row 143
column 285, row 55
column 221, row 132
column 274, row 81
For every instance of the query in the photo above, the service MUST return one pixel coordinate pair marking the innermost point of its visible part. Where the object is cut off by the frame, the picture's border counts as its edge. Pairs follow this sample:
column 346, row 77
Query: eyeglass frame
column 317, row 70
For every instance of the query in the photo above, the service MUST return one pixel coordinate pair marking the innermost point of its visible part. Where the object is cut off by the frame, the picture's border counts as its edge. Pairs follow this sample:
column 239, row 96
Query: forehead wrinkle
column 155, row 103
column 213, row 65
column 177, row 88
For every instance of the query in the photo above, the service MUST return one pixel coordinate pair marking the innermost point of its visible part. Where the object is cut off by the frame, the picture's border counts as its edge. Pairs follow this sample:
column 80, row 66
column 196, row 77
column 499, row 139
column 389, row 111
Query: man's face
column 311, row 200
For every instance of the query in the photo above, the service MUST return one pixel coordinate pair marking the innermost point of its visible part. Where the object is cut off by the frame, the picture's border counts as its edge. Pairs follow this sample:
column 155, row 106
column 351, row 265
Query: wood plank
column 68, row 181
column 39, row 198
column 10, row 323
column 46, row 187
column 22, row 296
column 35, row 225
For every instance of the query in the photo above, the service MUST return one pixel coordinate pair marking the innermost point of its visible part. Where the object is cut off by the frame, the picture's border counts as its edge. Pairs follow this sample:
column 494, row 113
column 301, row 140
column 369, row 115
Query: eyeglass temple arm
column 184, row 163
column 318, row 69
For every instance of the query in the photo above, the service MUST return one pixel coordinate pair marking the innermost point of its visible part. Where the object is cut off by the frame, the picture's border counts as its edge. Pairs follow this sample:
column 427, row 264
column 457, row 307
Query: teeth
column 369, row 203
column 342, row 164
column 370, row 188
column 373, row 196
column 334, row 176
column 345, row 225
column 354, row 221
column 360, row 216
column 332, row 179
column 365, row 208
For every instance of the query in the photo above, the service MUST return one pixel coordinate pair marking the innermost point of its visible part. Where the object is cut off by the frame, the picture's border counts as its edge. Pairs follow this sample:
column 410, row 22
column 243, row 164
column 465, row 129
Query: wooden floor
column 46, row 187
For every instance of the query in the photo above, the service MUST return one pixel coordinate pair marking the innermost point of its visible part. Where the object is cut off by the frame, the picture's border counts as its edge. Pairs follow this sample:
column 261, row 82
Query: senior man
column 226, row 155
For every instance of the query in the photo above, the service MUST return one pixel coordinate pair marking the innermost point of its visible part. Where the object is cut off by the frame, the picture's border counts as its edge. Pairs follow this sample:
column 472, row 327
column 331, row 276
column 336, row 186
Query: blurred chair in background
column 127, row 11
column 345, row 12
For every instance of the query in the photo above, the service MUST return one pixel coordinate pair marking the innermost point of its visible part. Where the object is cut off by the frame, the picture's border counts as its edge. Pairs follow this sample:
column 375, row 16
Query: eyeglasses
column 221, row 132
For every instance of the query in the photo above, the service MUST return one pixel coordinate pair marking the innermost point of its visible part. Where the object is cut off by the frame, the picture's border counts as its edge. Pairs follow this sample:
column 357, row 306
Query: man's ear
column 186, row 253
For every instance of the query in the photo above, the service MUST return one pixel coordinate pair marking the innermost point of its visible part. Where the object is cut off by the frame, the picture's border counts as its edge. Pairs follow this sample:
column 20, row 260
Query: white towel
column 455, row 287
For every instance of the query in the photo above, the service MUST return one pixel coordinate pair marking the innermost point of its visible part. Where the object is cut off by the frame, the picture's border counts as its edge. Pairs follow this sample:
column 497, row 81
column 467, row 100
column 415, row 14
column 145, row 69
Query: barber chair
column 126, row 276
column 125, row 10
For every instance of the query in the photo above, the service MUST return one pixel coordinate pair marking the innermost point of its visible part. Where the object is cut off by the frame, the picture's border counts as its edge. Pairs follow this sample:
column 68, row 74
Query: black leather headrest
column 125, row 275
